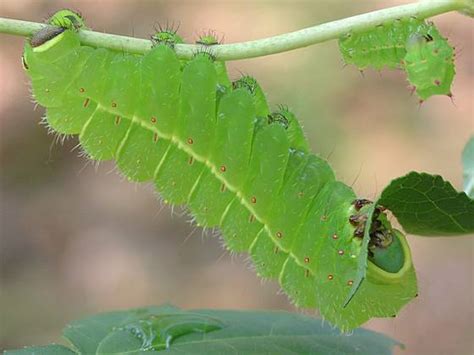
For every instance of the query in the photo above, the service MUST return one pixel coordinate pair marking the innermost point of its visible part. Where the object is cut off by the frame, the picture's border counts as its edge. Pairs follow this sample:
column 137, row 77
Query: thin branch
column 265, row 46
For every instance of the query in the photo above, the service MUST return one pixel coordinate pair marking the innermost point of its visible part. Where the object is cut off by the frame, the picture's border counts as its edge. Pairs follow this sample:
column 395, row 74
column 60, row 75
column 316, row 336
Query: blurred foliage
column 200, row 331
column 468, row 164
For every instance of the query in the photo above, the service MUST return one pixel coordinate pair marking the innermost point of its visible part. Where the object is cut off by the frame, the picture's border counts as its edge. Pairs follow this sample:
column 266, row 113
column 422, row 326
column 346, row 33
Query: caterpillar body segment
column 429, row 63
column 216, row 147
column 67, row 19
column 384, row 46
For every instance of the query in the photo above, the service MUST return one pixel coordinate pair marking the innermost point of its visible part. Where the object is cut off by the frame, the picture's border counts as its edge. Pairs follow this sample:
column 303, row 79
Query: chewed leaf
column 362, row 261
column 213, row 332
column 427, row 205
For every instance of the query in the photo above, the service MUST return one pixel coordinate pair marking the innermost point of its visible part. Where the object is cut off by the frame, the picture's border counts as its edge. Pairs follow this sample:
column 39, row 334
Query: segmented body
column 383, row 46
column 212, row 146
column 429, row 63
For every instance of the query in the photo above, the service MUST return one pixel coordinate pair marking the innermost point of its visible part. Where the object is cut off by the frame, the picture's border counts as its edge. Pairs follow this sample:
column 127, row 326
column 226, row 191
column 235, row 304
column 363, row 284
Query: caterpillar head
column 386, row 249
column 417, row 40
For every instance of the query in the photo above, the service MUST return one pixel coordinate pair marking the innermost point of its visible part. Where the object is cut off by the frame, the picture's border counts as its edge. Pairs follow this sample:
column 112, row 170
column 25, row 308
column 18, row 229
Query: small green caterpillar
column 410, row 44
column 216, row 147
column 429, row 63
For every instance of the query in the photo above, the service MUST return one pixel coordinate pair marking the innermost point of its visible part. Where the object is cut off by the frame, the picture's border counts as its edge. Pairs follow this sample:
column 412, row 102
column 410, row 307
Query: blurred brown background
column 76, row 240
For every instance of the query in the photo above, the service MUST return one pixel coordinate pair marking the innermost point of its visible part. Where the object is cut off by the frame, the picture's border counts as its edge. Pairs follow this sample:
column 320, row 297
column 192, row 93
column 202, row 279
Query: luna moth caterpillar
column 429, row 63
column 410, row 44
column 216, row 147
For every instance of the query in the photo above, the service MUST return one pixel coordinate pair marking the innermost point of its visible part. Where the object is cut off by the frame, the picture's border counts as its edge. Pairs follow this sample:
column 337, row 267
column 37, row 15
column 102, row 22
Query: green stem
column 265, row 46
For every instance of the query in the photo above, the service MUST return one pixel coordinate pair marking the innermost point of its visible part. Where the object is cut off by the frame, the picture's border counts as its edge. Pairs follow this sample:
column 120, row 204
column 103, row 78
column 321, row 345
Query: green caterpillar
column 216, row 147
column 429, row 63
column 410, row 44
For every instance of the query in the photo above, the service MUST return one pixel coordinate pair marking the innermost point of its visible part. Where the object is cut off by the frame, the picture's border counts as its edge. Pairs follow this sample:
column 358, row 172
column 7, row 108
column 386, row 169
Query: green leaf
column 86, row 334
column 53, row 349
column 278, row 333
column 468, row 164
column 362, row 259
column 425, row 204
column 173, row 331
column 156, row 332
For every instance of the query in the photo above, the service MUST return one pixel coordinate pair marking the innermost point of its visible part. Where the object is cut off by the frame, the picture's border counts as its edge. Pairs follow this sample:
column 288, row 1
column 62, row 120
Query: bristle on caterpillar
column 208, row 38
column 167, row 35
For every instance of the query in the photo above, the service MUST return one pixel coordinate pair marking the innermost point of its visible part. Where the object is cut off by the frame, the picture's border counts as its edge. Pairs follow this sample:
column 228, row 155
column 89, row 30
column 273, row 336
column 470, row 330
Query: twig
column 265, row 46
